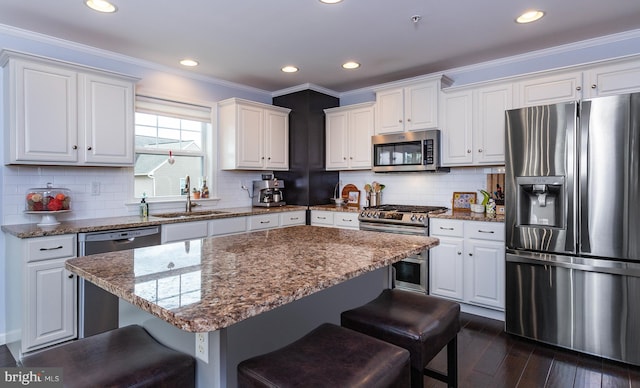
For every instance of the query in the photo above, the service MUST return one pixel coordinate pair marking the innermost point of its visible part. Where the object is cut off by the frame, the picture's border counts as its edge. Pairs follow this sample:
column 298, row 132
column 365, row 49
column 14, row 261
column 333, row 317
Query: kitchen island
column 251, row 292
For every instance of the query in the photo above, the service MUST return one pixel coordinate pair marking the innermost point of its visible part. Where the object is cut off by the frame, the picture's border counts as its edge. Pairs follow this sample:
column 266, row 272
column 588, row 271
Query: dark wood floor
column 488, row 357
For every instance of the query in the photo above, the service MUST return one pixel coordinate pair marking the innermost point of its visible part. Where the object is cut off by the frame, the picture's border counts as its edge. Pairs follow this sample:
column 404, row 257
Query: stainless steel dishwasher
column 98, row 309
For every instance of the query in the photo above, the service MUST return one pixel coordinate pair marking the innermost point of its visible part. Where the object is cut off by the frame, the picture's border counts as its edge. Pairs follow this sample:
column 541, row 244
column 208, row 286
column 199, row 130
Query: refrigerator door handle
column 584, row 242
column 582, row 264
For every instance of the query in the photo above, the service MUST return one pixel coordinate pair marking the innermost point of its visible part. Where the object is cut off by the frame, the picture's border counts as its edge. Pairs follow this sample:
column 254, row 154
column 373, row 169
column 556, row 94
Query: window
column 170, row 141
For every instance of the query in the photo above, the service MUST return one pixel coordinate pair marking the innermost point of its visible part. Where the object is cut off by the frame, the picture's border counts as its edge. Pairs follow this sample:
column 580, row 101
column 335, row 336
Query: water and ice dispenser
column 540, row 201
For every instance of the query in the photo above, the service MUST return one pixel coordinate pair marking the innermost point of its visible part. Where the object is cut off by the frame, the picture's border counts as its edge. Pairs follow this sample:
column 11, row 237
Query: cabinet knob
column 70, row 276
column 459, row 253
column 89, row 148
column 479, row 149
column 269, row 158
column 344, row 158
column 409, row 120
column 470, row 254
column 75, row 147
column 351, row 157
column 400, row 121
column 578, row 88
column 594, row 86
column 262, row 158
column 468, row 151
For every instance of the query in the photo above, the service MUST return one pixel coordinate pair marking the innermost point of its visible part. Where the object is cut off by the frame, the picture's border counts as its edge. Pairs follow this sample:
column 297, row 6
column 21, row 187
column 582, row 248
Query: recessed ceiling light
column 189, row 62
column 530, row 16
column 351, row 65
column 289, row 69
column 330, row 1
column 101, row 6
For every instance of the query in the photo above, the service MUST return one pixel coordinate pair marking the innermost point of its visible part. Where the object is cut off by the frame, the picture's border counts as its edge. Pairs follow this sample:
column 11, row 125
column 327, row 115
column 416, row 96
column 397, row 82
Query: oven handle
column 390, row 228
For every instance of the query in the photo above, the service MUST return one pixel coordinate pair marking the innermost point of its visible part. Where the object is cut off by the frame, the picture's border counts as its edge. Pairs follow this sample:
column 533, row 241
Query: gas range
column 415, row 216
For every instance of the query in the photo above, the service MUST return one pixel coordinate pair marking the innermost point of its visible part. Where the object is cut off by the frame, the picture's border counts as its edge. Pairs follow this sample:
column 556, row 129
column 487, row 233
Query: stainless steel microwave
column 407, row 151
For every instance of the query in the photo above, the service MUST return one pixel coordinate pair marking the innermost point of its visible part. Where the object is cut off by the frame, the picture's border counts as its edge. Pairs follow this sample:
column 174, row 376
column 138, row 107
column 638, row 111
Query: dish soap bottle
column 144, row 206
column 205, row 190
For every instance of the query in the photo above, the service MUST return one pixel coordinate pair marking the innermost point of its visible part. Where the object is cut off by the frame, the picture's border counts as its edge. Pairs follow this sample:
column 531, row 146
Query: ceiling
column 249, row 41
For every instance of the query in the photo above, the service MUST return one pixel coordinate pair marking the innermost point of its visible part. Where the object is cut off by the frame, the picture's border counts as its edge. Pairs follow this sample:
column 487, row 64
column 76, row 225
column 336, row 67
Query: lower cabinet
column 277, row 220
column 335, row 219
column 223, row 226
column 41, row 294
column 469, row 264
column 184, row 231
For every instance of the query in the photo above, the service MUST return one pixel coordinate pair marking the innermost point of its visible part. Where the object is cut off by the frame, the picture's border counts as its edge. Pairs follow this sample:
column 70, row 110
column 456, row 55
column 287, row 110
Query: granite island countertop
column 108, row 223
column 209, row 284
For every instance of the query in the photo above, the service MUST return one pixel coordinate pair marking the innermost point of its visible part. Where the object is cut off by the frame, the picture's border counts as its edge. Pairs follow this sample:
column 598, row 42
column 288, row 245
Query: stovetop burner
column 399, row 214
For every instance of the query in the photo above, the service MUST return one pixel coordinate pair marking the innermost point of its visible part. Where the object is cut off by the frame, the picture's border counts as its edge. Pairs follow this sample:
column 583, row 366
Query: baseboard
column 481, row 311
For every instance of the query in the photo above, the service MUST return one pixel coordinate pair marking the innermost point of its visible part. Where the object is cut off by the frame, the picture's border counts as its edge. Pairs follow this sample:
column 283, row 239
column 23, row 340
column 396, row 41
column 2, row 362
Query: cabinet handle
column 443, row 228
column 265, row 222
column 485, row 231
column 89, row 148
column 322, row 218
column 269, row 158
column 351, row 157
column 70, row 276
column 468, row 151
column 294, row 218
column 470, row 254
column 479, row 149
column 400, row 121
column 262, row 158
column 51, row 249
column 459, row 253
column 408, row 120
column 75, row 147
column 578, row 88
column 346, row 220
column 594, row 86
column 344, row 158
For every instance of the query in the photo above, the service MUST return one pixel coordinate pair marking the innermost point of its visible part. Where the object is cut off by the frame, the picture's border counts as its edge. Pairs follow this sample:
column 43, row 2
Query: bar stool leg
column 452, row 367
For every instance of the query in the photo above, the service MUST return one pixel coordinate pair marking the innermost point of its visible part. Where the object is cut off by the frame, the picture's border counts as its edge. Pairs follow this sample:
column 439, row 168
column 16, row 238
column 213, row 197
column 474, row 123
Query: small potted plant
column 196, row 193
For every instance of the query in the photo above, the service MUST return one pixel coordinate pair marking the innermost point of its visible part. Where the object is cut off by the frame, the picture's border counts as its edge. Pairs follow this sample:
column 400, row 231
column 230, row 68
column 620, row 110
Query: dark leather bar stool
column 422, row 324
column 329, row 356
column 124, row 357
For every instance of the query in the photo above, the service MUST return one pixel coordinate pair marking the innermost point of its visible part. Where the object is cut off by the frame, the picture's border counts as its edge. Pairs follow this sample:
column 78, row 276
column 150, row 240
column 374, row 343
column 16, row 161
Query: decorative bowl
column 339, row 201
column 476, row 208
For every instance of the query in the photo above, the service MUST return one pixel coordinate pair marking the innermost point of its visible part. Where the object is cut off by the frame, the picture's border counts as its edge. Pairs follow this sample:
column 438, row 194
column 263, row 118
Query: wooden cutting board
column 347, row 189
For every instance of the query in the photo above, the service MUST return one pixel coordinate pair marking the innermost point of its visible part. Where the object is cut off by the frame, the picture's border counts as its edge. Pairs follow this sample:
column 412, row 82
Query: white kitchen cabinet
column 348, row 137
column 61, row 114
column 411, row 107
column 41, row 293
column 473, row 125
column 335, row 219
column 617, row 78
column 253, row 136
column 224, row 226
column 183, row 231
column 294, row 218
column 550, row 89
column 264, row 221
column 469, row 264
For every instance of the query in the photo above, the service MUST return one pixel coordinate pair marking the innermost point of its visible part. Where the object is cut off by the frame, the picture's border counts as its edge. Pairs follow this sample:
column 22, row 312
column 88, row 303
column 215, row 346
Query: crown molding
column 307, row 86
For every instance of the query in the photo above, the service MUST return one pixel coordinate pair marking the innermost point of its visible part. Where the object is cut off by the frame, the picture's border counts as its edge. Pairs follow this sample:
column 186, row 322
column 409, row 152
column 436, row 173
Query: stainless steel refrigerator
column 573, row 225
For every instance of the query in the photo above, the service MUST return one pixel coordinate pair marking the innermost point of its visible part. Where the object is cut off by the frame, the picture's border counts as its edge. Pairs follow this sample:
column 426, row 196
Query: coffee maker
column 268, row 192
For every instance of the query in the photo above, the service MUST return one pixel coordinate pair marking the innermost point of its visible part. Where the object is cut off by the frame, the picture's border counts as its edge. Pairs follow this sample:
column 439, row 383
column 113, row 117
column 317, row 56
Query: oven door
column 410, row 274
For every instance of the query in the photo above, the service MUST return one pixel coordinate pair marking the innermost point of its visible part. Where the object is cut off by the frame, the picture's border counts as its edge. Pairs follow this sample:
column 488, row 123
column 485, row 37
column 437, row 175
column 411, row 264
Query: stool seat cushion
column 329, row 356
column 122, row 357
column 422, row 324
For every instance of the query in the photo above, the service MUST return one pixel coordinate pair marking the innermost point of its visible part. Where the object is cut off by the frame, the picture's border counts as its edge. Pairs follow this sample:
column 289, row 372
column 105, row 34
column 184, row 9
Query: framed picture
column 353, row 199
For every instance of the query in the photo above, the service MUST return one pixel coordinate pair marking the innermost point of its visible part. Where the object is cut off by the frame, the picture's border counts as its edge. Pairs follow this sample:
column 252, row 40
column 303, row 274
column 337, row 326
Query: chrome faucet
column 188, row 188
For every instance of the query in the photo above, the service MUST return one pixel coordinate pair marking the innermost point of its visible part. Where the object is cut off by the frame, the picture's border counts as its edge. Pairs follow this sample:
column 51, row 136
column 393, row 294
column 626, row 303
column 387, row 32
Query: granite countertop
column 100, row 224
column 334, row 208
column 205, row 285
column 468, row 216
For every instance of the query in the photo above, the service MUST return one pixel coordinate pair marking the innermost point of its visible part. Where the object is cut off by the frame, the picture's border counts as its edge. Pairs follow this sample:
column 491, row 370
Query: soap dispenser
column 144, row 206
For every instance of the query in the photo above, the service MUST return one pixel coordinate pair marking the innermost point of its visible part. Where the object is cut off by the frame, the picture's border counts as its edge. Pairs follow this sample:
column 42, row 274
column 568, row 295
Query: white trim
column 306, row 86
column 42, row 38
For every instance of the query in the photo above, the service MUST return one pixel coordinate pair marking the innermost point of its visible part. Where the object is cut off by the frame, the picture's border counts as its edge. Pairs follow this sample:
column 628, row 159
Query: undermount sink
column 189, row 214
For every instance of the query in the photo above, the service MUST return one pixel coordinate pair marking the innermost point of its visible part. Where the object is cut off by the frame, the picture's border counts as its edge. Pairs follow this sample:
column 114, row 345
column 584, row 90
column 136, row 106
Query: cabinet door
column 390, row 111
column 457, row 134
column 421, row 106
column 227, row 226
column 293, row 218
column 346, row 220
column 276, row 140
column 250, row 137
column 484, row 273
column 490, row 105
column 337, row 140
column 446, row 274
column 322, row 218
column 44, row 123
column 106, row 116
column 264, row 221
column 184, row 231
column 550, row 90
column 360, row 132
column 50, row 314
column 613, row 79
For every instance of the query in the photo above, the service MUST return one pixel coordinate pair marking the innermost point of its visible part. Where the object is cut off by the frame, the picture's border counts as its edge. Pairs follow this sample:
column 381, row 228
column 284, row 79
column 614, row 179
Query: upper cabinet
column 253, row 136
column 349, row 130
column 62, row 114
column 599, row 80
column 472, row 125
column 409, row 108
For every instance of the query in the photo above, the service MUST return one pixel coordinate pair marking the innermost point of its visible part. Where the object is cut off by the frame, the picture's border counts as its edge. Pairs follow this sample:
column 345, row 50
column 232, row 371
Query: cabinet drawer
column 53, row 247
column 346, row 220
column 184, row 231
column 293, row 218
column 264, row 221
column 484, row 230
column 321, row 218
column 227, row 226
column 442, row 227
